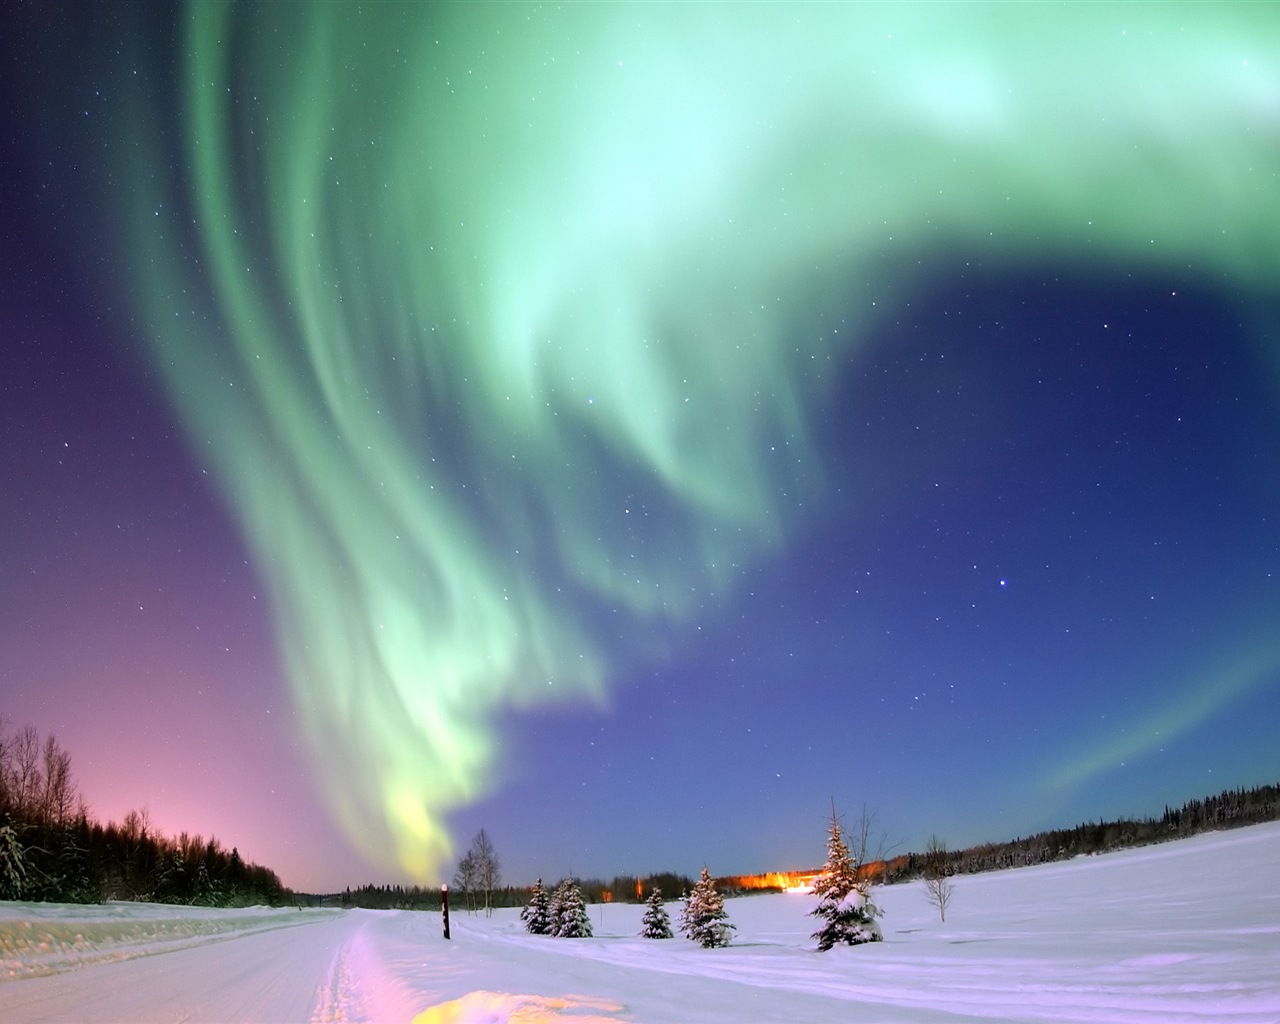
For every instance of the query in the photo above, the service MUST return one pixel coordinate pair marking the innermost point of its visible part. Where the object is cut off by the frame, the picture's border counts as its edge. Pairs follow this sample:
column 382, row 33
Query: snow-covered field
column 1184, row 932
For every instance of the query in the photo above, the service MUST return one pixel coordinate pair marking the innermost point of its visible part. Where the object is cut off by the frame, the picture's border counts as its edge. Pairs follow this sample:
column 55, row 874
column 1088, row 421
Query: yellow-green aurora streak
column 476, row 286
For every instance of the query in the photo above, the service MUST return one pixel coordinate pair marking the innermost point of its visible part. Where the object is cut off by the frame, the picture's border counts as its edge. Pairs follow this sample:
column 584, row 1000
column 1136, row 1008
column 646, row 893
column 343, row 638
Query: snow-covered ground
column 1184, row 932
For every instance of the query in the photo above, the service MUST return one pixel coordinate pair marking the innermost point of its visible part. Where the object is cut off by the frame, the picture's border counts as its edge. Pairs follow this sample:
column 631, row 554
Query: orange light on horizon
column 786, row 881
column 802, row 881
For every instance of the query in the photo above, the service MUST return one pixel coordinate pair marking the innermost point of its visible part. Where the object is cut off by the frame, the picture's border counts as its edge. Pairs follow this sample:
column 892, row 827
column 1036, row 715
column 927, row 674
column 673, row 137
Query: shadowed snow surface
column 1184, row 932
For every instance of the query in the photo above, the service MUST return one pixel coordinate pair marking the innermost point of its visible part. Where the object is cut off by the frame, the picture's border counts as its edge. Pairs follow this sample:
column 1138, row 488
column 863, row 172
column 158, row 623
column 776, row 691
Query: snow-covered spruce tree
column 703, row 918
column 13, row 867
column 655, row 924
column 555, row 909
column 848, row 913
column 569, row 912
column 205, row 893
column 537, row 915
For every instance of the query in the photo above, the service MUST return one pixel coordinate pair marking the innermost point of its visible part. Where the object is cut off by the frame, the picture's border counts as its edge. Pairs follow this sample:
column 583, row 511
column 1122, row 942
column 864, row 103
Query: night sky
column 629, row 428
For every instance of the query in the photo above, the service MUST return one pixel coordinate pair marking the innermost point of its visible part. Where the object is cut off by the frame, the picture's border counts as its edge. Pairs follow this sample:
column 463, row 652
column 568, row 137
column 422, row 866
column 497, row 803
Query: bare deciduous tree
column 464, row 880
column 5, row 797
column 24, row 771
column 937, row 875
column 488, row 875
column 478, row 872
column 869, row 854
column 58, row 798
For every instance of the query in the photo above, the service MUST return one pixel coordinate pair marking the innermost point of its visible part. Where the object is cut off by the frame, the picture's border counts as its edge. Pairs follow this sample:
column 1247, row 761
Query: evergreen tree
column 537, row 915
column 555, row 911
column 206, row 891
column 73, row 882
column 569, row 912
column 847, row 911
column 235, row 870
column 13, row 867
column 655, row 924
column 171, row 885
column 703, row 918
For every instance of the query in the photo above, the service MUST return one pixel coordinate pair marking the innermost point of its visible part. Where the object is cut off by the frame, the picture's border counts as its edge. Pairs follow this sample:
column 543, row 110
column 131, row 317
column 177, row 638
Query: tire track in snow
column 338, row 1000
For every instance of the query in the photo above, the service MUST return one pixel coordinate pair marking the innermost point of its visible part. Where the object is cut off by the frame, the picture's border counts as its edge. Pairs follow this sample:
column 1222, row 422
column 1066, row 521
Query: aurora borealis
column 647, row 421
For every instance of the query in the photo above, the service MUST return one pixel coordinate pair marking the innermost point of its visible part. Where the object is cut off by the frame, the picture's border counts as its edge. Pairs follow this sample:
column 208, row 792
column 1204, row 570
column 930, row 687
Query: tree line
column 477, row 887
column 51, row 849
column 388, row 897
column 621, row 889
column 1229, row 809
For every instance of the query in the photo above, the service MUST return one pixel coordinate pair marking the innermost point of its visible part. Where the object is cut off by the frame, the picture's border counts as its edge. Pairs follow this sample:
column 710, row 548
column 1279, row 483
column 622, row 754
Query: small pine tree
column 843, row 903
column 569, row 912
column 655, row 924
column 537, row 915
column 703, row 918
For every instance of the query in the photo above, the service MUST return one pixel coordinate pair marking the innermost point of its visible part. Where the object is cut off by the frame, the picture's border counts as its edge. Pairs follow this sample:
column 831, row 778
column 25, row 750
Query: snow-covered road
column 1173, row 934
column 271, row 968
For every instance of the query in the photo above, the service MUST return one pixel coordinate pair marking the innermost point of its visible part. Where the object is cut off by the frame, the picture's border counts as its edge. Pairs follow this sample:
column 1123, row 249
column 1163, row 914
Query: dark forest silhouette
column 52, row 850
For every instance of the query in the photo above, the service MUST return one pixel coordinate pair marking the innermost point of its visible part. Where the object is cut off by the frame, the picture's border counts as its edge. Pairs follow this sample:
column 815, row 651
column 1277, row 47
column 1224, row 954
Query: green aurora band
column 488, row 315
